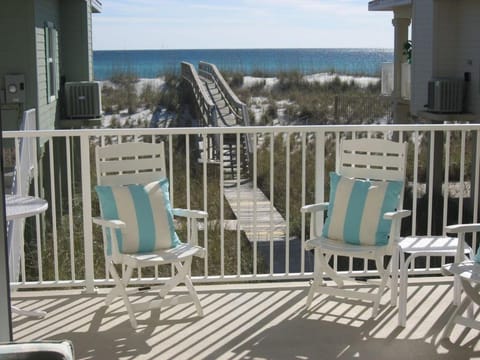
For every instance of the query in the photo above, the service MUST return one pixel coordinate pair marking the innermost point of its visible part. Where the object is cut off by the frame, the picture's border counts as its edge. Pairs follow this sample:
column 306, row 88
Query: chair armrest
column 399, row 214
column 114, row 224
column 312, row 208
column 196, row 214
column 462, row 228
column 193, row 228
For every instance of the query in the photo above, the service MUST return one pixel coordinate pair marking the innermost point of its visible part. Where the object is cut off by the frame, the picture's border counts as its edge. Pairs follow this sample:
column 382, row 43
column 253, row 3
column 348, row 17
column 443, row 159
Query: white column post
column 401, row 25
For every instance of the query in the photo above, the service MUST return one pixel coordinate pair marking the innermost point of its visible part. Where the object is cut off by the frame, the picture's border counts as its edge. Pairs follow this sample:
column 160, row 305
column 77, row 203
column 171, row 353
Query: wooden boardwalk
column 224, row 114
column 255, row 214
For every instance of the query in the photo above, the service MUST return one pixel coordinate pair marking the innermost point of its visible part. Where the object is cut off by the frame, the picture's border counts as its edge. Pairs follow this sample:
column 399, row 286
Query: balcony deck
column 252, row 321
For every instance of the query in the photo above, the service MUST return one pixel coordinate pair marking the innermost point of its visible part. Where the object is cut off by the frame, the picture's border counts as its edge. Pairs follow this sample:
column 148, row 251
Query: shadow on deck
column 247, row 321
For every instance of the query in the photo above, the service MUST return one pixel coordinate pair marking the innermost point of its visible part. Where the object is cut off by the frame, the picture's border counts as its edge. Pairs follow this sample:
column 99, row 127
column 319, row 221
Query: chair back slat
column 133, row 165
column 130, row 163
column 373, row 159
column 128, row 179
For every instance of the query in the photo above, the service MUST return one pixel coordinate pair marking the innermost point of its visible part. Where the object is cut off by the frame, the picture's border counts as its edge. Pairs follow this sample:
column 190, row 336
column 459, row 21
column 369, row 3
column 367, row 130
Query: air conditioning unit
column 83, row 100
column 445, row 95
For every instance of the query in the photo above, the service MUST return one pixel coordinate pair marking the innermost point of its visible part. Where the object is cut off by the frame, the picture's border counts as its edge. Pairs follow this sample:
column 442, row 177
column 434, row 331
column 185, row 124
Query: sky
column 228, row 24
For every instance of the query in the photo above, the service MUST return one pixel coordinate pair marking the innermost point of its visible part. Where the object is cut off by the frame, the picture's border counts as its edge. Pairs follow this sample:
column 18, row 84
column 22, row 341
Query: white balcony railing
column 288, row 164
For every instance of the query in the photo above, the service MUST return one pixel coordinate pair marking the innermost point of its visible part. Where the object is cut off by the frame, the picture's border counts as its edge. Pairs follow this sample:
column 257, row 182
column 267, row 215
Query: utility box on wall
column 14, row 88
column 445, row 95
column 83, row 100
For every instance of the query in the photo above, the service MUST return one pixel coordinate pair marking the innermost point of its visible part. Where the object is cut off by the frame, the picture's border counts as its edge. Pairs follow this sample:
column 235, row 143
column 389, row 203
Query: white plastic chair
column 468, row 271
column 370, row 159
column 121, row 165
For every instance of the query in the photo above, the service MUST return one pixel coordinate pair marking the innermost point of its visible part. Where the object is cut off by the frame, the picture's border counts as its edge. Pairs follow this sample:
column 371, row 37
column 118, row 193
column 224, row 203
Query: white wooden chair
column 137, row 221
column 468, row 271
column 352, row 230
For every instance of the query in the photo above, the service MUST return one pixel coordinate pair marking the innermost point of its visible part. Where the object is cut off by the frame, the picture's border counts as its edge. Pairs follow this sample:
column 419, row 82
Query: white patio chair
column 468, row 271
column 137, row 220
column 363, row 220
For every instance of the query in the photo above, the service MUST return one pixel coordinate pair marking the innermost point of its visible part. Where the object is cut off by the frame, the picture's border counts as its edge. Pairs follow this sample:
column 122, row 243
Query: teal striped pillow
column 147, row 212
column 356, row 208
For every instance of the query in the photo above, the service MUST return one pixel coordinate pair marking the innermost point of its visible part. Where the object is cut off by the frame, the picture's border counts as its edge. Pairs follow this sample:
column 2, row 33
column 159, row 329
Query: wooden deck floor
column 252, row 321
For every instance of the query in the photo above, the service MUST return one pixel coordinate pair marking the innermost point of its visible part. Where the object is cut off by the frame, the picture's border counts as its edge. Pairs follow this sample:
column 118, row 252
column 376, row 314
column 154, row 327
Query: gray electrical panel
column 14, row 88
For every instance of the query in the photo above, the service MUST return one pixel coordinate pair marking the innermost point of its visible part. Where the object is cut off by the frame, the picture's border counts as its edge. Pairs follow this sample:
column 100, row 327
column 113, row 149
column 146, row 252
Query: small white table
column 21, row 207
column 426, row 246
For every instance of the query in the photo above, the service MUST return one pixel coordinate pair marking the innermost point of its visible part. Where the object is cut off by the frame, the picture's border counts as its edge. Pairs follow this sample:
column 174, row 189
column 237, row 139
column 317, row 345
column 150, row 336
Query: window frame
column 51, row 61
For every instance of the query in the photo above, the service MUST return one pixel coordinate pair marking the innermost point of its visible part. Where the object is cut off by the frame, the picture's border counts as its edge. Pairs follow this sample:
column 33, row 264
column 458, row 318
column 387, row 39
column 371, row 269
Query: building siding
column 445, row 44
column 468, row 54
column 75, row 41
column 46, row 11
column 17, row 55
column 90, row 43
column 445, row 38
column 423, row 53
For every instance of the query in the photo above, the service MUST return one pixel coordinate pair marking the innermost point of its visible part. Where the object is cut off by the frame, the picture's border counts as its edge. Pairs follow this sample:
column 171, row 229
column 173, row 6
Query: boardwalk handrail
column 204, row 102
column 238, row 108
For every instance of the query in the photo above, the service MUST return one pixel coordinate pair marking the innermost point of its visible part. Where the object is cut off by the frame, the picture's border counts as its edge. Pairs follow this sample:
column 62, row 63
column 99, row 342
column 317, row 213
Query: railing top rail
column 242, row 129
column 221, row 80
column 197, row 82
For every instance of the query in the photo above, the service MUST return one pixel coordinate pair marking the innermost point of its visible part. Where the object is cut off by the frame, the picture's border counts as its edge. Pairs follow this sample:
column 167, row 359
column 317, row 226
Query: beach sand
column 249, row 81
column 258, row 105
column 322, row 78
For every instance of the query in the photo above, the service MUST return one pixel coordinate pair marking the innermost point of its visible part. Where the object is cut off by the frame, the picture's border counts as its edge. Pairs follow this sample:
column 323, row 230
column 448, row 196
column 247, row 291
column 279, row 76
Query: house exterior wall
column 47, row 109
column 23, row 51
column 76, row 41
column 17, row 56
column 468, row 54
column 90, row 42
column 445, row 44
column 422, row 53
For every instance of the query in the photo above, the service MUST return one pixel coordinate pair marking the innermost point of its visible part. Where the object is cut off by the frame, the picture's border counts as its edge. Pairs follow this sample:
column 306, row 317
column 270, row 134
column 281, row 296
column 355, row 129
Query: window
column 51, row 58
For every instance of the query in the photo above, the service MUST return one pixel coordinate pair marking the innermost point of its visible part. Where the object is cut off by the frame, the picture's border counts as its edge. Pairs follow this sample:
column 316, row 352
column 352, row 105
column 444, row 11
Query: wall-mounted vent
column 83, row 100
column 445, row 95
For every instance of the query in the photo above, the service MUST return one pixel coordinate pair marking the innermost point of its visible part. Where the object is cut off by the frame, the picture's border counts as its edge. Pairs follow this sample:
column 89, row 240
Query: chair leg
column 317, row 277
column 457, row 313
column 174, row 281
column 457, row 290
column 402, row 296
column 121, row 282
column 471, row 296
column 384, row 274
column 394, row 277
column 189, row 285
column 182, row 275
column 121, row 290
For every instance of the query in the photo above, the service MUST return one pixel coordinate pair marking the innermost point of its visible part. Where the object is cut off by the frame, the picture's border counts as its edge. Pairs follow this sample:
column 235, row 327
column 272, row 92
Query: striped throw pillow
column 147, row 212
column 356, row 208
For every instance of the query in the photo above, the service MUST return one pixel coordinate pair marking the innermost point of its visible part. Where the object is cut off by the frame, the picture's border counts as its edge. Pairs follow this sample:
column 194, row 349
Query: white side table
column 21, row 207
column 426, row 246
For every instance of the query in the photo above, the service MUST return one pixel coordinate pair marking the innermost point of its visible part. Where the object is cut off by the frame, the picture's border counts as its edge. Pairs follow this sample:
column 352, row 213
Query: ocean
column 154, row 63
